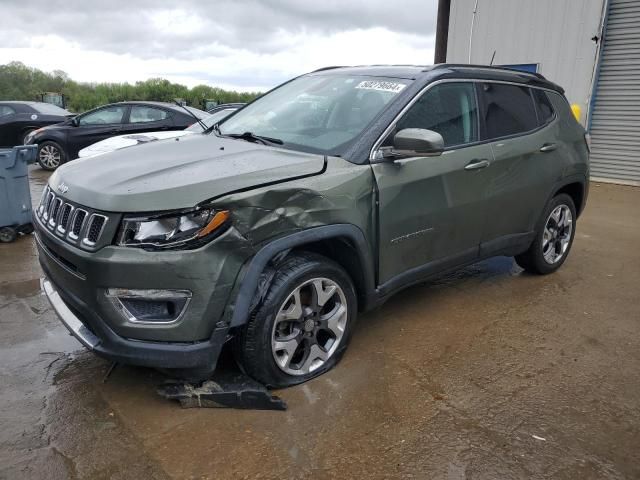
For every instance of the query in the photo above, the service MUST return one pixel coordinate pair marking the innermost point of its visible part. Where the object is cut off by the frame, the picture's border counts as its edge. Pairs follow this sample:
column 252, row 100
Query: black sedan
column 60, row 143
column 19, row 119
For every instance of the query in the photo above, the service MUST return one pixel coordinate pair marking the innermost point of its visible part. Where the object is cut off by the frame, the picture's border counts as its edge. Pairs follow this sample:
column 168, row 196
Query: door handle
column 477, row 164
column 548, row 147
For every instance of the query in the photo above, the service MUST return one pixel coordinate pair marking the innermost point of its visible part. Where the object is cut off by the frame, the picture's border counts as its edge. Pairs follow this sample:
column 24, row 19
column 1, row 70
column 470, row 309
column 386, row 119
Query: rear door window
column 144, row 114
column 448, row 109
column 508, row 110
column 545, row 110
column 6, row 110
column 49, row 109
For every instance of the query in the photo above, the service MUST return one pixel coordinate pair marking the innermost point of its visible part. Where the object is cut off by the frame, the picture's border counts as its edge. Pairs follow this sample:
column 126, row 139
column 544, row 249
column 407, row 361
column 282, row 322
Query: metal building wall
column 555, row 34
column 615, row 120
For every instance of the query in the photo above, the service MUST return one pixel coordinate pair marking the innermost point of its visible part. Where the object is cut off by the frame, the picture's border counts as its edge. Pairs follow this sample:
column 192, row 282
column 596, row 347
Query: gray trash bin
column 15, row 199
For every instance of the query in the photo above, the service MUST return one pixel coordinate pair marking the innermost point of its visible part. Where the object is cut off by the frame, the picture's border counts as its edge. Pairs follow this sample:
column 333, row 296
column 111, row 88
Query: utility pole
column 442, row 31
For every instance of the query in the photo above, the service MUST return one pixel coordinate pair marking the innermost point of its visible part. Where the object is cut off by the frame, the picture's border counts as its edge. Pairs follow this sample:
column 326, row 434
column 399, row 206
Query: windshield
column 211, row 120
column 316, row 113
column 49, row 109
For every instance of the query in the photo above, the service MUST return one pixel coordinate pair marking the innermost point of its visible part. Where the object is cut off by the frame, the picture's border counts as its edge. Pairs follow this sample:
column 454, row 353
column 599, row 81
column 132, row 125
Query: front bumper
column 109, row 345
column 77, row 282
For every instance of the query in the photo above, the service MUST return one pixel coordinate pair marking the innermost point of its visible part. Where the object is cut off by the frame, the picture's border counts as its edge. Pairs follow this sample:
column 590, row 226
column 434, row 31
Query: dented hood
column 177, row 173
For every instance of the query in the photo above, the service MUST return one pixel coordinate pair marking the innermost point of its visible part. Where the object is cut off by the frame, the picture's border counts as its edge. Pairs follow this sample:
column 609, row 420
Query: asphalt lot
column 486, row 373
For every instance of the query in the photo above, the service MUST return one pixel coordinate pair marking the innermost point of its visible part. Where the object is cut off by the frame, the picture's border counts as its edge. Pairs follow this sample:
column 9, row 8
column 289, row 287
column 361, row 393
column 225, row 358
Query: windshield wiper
column 252, row 136
column 202, row 124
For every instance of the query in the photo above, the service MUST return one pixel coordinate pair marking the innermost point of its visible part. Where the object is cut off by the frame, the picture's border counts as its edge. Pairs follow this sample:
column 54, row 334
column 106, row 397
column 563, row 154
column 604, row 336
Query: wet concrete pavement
column 486, row 373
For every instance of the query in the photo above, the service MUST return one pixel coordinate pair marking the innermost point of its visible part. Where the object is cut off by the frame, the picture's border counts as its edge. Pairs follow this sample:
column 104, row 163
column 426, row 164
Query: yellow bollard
column 577, row 111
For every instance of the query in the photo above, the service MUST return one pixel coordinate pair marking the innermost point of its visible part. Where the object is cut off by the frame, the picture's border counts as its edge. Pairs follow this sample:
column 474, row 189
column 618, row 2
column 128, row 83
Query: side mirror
column 416, row 142
column 75, row 121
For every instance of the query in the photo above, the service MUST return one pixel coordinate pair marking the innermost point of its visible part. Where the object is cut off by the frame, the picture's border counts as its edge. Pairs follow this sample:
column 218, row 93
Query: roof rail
column 327, row 68
column 492, row 67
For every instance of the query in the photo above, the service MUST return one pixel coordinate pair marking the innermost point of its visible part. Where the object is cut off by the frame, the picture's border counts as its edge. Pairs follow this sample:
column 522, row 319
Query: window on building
column 509, row 110
column 449, row 109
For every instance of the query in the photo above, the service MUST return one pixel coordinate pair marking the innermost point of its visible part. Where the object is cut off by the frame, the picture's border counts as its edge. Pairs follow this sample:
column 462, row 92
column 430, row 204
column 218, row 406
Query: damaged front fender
column 272, row 220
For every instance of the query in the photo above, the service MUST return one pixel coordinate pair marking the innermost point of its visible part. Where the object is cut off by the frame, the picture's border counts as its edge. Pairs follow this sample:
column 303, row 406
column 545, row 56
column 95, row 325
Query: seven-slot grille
column 74, row 224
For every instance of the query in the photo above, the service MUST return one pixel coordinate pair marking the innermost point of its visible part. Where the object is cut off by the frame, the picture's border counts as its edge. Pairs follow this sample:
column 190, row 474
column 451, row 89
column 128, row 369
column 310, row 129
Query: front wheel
column 302, row 326
column 554, row 237
column 50, row 155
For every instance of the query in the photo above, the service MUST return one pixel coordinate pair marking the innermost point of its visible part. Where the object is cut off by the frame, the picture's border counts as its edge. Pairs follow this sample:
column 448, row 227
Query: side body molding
column 257, row 264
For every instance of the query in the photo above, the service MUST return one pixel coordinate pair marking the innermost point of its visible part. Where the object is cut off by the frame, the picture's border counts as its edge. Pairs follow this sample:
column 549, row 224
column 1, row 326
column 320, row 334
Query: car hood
column 177, row 173
column 65, row 123
column 129, row 140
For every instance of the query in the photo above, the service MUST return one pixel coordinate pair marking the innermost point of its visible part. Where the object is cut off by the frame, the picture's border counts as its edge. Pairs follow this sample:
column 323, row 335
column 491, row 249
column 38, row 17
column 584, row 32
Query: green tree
column 20, row 82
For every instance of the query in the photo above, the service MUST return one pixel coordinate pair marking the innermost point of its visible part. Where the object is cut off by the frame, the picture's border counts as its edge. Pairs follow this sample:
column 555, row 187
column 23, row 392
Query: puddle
column 24, row 289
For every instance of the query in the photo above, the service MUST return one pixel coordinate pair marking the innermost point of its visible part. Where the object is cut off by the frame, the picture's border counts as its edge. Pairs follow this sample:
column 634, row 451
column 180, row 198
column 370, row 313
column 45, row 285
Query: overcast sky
column 241, row 44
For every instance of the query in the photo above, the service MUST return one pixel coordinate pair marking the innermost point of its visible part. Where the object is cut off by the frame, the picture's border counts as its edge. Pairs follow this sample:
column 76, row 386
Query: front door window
column 104, row 116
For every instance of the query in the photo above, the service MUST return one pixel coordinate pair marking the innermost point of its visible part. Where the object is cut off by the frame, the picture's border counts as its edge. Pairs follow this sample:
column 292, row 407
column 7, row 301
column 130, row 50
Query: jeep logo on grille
column 62, row 188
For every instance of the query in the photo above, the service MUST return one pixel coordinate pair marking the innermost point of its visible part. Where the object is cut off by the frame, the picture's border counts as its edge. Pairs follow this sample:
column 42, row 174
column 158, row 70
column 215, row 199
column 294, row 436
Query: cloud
column 242, row 44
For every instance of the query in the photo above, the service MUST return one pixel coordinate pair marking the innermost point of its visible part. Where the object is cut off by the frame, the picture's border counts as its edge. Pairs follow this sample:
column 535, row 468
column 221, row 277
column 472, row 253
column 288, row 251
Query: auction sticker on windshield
column 381, row 86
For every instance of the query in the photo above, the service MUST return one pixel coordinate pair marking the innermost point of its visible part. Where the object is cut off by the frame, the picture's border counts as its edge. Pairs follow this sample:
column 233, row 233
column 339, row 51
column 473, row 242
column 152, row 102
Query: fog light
column 150, row 306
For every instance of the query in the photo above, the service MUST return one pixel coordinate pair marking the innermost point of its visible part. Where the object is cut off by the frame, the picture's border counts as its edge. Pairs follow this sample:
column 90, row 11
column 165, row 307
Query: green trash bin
column 15, row 199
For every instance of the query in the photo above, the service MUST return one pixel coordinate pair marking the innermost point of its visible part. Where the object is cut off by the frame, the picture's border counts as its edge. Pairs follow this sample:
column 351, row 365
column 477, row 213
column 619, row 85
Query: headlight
column 179, row 229
column 32, row 134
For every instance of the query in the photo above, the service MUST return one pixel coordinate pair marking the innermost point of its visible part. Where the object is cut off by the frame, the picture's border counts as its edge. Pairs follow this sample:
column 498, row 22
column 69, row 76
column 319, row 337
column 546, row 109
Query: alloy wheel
column 557, row 234
column 309, row 326
column 49, row 156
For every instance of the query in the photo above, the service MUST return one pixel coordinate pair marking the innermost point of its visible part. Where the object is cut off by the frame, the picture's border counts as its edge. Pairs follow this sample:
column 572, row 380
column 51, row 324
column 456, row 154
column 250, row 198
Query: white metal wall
column 615, row 122
column 556, row 34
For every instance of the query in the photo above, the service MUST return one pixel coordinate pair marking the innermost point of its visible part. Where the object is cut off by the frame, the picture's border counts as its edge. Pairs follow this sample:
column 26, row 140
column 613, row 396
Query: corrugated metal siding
column 554, row 34
column 615, row 121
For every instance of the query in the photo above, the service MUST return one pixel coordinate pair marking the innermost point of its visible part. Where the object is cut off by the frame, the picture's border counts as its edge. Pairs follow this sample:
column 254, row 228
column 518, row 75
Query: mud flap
column 227, row 388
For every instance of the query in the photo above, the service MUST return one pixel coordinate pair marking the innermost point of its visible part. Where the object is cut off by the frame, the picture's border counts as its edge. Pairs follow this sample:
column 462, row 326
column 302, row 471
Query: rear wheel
column 7, row 234
column 302, row 327
column 50, row 155
column 554, row 237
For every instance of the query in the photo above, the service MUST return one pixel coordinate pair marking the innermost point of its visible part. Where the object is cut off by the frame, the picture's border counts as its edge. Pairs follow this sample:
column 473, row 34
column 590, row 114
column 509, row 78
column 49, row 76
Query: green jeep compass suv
column 314, row 203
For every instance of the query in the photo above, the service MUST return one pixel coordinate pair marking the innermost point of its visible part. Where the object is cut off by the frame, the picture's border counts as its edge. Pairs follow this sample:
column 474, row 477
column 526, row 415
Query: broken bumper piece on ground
column 226, row 389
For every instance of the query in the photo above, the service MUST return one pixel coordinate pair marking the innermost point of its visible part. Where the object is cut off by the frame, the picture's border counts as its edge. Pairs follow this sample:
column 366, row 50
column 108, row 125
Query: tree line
column 20, row 82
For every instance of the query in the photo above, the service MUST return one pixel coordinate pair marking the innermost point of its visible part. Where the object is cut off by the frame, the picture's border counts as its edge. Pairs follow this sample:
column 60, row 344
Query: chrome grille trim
column 76, row 225
column 95, row 217
column 47, row 206
column 54, row 211
column 74, row 233
column 66, row 213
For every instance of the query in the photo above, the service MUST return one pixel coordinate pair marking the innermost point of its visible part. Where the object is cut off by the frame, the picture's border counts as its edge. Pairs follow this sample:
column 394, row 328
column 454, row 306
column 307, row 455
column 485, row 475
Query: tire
column 554, row 237
column 313, row 331
column 50, row 155
column 26, row 229
column 8, row 234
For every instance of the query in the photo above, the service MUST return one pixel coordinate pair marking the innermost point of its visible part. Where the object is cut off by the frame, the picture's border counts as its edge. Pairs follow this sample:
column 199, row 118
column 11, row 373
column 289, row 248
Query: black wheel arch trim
column 570, row 180
column 241, row 307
